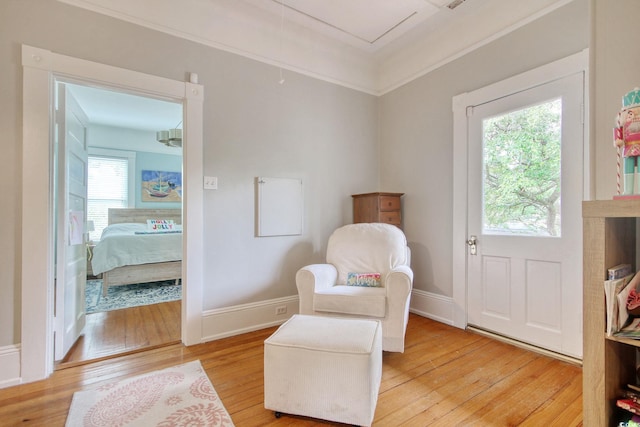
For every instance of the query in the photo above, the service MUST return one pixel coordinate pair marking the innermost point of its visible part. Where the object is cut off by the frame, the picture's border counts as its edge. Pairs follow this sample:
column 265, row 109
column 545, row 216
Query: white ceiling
column 364, row 24
column 111, row 108
column 369, row 45
column 107, row 107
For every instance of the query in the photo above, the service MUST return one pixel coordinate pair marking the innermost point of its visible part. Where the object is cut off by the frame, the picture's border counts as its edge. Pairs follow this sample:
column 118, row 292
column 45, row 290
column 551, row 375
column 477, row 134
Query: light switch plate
column 210, row 182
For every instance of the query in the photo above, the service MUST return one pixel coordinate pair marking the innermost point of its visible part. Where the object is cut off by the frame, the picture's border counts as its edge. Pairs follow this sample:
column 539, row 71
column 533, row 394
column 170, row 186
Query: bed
column 128, row 253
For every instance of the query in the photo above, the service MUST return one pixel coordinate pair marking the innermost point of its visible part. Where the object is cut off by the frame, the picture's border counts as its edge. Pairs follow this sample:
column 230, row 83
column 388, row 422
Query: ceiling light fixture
column 171, row 137
column 455, row 4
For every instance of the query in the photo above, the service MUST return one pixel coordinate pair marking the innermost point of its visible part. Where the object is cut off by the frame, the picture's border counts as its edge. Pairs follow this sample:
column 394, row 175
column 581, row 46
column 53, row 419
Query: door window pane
column 521, row 171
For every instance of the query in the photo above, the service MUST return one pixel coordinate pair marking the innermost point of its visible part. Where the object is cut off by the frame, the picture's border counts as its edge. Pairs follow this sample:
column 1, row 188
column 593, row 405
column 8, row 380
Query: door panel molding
column 497, row 297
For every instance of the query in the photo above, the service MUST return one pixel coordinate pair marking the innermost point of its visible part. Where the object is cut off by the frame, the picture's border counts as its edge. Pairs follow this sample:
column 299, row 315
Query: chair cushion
column 366, row 247
column 318, row 333
column 356, row 300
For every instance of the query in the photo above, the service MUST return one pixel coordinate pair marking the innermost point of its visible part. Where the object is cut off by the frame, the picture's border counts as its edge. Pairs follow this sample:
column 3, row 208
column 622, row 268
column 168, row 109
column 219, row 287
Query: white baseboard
column 10, row 365
column 239, row 319
column 432, row 306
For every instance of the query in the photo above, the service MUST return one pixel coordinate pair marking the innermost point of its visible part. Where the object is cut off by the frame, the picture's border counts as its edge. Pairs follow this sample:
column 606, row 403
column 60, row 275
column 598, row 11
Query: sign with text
column 160, row 225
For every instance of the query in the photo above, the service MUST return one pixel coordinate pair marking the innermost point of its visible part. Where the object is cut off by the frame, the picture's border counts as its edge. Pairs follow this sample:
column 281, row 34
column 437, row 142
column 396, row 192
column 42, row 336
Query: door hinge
column 55, row 294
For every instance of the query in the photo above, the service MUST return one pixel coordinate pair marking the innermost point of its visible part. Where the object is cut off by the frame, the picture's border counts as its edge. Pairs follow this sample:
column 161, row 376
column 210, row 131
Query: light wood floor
column 127, row 330
column 445, row 377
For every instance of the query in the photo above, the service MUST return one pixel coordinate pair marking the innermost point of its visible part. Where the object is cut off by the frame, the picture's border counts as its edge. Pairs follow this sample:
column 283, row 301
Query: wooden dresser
column 377, row 207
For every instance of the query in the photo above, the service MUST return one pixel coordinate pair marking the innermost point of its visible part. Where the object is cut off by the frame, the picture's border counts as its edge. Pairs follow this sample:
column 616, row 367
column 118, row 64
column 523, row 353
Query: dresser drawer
column 389, row 203
column 392, row 217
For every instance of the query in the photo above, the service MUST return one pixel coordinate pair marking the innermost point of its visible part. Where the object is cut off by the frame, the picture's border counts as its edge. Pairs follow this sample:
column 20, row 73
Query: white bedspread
column 120, row 246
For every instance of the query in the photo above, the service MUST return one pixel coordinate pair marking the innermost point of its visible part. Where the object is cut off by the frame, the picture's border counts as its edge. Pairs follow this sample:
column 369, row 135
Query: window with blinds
column 108, row 187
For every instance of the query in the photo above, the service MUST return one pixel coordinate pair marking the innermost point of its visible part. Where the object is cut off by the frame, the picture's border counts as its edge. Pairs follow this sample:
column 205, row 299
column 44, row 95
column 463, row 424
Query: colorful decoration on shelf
column 626, row 136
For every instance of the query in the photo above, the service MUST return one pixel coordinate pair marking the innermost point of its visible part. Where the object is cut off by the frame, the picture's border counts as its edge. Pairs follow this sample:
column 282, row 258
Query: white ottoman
column 324, row 367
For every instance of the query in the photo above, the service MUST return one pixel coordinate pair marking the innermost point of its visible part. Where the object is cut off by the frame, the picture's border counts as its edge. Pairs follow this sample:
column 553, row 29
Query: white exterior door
column 525, row 186
column 71, row 249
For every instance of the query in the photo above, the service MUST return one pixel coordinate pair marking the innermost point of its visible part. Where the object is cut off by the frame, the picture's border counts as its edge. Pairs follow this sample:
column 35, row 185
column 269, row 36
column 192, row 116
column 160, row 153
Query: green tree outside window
column 522, row 171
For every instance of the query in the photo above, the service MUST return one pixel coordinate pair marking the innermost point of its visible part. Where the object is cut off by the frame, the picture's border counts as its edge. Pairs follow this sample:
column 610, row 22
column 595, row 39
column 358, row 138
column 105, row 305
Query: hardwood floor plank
column 438, row 392
column 446, row 377
column 539, row 387
column 121, row 331
column 561, row 409
column 510, row 393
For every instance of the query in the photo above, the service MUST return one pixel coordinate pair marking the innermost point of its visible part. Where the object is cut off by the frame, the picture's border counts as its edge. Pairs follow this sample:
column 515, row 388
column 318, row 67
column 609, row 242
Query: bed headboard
column 117, row 216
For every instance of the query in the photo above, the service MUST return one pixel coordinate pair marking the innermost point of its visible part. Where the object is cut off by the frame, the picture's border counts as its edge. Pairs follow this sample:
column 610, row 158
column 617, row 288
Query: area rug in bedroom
column 129, row 295
column 178, row 396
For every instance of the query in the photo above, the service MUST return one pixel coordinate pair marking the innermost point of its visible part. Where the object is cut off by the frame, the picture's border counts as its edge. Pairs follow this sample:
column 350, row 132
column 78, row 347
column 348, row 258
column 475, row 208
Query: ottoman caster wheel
column 277, row 414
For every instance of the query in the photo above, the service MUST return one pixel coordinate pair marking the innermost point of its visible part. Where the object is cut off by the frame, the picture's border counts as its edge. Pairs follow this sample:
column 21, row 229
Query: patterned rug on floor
column 177, row 396
column 130, row 295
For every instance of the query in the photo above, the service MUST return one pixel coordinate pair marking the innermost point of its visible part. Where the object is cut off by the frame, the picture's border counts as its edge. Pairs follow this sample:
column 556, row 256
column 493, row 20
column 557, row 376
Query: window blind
column 108, row 187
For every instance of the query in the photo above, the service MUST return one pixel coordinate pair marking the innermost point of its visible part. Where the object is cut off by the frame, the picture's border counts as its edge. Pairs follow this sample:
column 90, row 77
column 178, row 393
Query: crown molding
column 425, row 52
column 239, row 27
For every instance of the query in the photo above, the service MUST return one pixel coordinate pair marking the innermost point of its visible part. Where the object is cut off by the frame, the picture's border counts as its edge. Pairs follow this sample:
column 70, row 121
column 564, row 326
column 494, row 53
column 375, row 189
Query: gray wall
column 307, row 129
column 616, row 63
column 416, row 131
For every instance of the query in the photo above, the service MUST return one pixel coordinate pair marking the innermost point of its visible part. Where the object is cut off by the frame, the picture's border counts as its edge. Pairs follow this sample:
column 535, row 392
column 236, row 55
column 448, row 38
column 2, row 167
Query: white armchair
column 362, row 248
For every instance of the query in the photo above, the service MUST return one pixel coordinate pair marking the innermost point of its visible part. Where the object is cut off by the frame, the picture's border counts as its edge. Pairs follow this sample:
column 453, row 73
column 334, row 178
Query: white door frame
column 561, row 68
column 39, row 68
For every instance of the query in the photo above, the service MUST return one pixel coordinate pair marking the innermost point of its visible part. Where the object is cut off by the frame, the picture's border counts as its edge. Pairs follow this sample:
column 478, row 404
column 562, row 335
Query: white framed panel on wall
column 279, row 205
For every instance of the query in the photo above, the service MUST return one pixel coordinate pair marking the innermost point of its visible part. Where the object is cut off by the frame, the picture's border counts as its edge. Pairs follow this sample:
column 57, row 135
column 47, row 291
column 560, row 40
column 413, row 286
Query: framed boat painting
column 161, row 186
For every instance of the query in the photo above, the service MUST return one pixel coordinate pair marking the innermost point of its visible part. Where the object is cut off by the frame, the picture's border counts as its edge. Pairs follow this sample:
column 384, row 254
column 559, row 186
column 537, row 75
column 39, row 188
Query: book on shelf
column 632, row 330
column 619, row 271
column 616, row 292
column 630, row 400
column 629, row 405
column 627, row 325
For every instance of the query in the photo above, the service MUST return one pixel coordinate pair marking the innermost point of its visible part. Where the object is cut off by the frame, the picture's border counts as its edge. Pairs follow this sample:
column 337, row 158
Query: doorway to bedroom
column 40, row 68
column 132, row 242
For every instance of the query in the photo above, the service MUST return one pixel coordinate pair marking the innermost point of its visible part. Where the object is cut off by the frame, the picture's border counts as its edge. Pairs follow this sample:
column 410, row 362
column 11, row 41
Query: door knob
column 473, row 242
